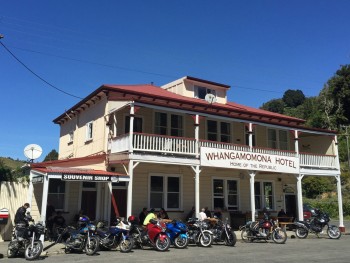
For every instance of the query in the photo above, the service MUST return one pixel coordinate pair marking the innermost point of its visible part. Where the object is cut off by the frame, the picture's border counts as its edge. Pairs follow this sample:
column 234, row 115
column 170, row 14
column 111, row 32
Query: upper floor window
column 218, row 131
column 71, row 136
column 89, row 131
column 277, row 139
column 201, row 92
column 168, row 124
column 137, row 124
column 165, row 191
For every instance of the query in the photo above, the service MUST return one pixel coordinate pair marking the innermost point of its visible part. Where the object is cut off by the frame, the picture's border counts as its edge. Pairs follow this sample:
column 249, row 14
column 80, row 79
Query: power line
column 31, row 71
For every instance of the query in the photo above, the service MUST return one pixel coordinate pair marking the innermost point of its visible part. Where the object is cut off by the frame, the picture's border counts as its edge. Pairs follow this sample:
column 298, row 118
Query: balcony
column 179, row 146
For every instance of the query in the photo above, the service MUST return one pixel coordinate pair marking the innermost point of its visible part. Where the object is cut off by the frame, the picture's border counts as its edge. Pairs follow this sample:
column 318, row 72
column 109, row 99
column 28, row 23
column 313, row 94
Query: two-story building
column 125, row 147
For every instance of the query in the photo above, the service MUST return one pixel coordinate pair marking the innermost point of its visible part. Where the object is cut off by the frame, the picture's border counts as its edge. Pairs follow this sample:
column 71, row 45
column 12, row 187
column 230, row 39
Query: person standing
column 20, row 216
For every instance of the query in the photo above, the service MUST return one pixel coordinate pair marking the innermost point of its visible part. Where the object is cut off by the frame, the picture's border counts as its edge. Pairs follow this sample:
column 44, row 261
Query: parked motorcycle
column 198, row 233
column 177, row 232
column 115, row 236
column 263, row 230
column 25, row 240
column 316, row 225
column 153, row 236
column 82, row 238
column 222, row 232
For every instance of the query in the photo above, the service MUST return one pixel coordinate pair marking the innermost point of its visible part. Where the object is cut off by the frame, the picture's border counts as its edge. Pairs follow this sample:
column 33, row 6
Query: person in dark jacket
column 20, row 216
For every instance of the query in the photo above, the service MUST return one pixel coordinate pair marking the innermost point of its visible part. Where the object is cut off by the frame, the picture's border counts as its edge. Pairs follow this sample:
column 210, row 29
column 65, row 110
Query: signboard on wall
column 88, row 178
column 222, row 158
column 38, row 179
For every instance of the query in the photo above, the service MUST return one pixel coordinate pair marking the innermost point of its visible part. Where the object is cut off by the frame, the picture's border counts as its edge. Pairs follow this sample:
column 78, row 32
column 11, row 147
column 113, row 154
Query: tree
column 275, row 105
column 293, row 98
column 314, row 186
column 53, row 155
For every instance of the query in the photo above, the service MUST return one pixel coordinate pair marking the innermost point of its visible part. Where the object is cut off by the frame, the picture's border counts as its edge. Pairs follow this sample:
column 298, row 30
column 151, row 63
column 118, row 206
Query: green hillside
column 12, row 164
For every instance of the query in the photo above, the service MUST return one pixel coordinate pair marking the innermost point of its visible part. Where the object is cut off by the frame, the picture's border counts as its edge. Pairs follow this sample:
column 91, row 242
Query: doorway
column 291, row 204
column 89, row 199
column 118, row 204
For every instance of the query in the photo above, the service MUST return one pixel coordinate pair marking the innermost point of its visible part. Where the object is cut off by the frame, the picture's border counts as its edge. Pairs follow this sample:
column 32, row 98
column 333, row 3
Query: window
column 89, row 130
column 218, row 131
column 168, row 124
column 55, row 197
column 225, row 194
column 201, row 92
column 137, row 124
column 264, row 195
column 277, row 139
column 165, row 192
column 71, row 136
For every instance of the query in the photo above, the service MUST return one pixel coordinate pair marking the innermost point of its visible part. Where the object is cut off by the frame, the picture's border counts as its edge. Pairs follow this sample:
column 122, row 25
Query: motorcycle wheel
column 11, row 253
column 33, row 252
column 126, row 245
column 301, row 232
column 162, row 245
column 205, row 239
column 279, row 236
column 181, row 242
column 231, row 239
column 245, row 235
column 333, row 232
column 92, row 247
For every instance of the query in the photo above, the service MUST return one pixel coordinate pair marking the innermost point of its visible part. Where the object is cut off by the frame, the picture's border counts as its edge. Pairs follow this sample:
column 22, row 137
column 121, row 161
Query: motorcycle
column 177, row 232
column 115, row 236
column 82, row 238
column 198, row 233
column 263, row 230
column 26, row 239
column 316, row 225
column 153, row 236
column 222, row 232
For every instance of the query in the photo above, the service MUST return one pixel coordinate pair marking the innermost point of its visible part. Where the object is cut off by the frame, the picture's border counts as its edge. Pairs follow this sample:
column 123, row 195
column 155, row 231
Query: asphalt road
column 308, row 250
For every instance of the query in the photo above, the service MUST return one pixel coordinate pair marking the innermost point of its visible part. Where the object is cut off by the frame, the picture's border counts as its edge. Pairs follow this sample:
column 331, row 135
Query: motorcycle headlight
column 92, row 228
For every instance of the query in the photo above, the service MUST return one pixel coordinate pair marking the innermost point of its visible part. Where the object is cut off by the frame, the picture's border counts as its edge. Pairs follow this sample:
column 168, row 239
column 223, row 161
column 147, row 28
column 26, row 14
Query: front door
column 291, row 205
column 88, row 203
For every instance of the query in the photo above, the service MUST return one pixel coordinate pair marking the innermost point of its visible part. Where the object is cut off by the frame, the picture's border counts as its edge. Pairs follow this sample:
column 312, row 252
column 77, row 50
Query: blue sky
column 260, row 48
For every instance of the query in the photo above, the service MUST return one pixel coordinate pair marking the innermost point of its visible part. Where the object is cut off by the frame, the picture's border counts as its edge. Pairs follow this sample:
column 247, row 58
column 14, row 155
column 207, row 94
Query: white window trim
column 168, row 127
column 263, row 194
column 278, row 141
column 165, row 176
column 71, row 136
column 225, row 191
column 65, row 194
column 88, row 136
column 218, row 129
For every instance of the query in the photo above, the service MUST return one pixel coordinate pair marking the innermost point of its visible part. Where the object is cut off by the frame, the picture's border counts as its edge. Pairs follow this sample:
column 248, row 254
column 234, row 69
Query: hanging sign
column 38, row 179
column 214, row 157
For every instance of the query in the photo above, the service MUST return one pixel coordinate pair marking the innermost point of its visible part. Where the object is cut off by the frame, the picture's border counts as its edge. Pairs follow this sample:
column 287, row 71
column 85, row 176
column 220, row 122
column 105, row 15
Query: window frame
column 278, row 142
column 219, row 134
column 64, row 193
column 207, row 90
column 89, row 131
column 262, row 195
column 166, row 192
column 225, row 192
column 127, row 123
column 168, row 128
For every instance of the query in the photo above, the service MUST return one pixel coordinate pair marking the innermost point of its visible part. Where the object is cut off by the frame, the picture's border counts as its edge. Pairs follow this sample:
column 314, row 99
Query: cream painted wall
column 317, row 144
column 80, row 146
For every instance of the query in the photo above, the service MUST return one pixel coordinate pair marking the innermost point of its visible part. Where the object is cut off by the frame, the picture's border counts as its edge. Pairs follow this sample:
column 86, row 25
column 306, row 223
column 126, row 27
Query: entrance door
column 118, row 205
column 291, row 205
column 88, row 203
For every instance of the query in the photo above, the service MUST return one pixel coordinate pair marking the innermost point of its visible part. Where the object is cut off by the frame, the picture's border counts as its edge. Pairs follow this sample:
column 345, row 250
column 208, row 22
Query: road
column 308, row 250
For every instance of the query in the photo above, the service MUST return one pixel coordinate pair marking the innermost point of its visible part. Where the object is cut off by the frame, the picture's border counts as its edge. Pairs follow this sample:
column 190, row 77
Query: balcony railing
column 179, row 146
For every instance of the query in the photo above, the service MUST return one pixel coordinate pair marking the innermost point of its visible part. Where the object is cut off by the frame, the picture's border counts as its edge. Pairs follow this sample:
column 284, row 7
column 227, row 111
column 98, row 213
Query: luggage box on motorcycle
column 4, row 216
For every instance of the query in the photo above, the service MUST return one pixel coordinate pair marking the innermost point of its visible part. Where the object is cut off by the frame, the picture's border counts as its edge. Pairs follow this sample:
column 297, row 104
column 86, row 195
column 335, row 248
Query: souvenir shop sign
column 88, row 178
column 214, row 157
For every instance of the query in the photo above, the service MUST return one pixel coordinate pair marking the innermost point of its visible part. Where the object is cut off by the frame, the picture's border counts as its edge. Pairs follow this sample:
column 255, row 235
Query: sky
column 62, row 51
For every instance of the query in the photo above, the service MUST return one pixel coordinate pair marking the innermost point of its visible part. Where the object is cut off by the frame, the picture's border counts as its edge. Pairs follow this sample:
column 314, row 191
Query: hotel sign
column 248, row 161
column 89, row 178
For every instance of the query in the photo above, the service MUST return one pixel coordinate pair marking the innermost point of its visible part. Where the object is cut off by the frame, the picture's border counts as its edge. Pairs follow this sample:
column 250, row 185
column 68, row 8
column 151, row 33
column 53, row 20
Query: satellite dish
column 210, row 98
column 33, row 151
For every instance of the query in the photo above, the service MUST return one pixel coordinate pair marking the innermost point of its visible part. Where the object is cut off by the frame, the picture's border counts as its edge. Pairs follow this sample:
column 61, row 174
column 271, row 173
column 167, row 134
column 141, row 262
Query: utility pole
column 347, row 141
